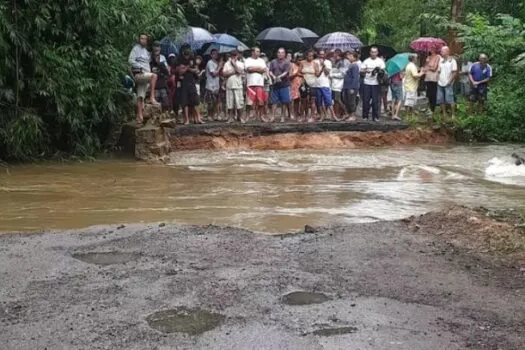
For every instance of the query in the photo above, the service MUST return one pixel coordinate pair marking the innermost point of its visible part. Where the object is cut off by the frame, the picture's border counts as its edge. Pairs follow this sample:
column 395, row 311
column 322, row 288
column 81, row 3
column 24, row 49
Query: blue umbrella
column 339, row 40
column 194, row 36
column 225, row 39
column 397, row 63
column 224, row 48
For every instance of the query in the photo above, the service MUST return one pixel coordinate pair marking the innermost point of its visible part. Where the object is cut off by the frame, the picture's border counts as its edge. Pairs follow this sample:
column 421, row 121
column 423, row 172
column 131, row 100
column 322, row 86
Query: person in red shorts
column 255, row 93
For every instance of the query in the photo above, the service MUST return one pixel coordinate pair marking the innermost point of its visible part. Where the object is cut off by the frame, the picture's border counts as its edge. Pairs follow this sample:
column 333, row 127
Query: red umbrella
column 426, row 43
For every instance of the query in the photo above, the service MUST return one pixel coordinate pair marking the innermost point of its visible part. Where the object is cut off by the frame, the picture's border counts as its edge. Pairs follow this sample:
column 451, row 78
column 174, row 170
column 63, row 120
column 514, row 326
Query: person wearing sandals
column 139, row 59
column 351, row 85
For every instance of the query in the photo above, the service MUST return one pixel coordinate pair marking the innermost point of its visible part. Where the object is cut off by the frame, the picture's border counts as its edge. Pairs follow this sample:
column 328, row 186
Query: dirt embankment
column 233, row 139
column 480, row 230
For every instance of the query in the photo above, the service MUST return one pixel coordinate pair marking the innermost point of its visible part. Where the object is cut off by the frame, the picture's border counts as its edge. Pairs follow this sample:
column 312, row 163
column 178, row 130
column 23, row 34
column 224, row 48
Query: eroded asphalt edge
column 400, row 289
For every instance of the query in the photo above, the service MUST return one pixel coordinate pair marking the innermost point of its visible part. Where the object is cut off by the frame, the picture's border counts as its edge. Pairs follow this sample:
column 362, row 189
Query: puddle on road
column 304, row 298
column 106, row 258
column 184, row 320
column 328, row 332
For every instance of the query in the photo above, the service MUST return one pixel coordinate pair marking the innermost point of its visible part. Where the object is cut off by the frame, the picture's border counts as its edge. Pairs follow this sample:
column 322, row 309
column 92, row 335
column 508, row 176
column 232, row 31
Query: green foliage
column 397, row 23
column 503, row 41
column 245, row 19
column 63, row 62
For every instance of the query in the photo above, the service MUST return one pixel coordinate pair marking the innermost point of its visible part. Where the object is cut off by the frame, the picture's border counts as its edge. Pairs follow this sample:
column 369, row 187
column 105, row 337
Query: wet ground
column 383, row 285
column 264, row 191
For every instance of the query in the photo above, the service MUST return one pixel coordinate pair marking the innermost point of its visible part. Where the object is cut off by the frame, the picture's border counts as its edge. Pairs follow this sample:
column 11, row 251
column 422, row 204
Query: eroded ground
column 387, row 285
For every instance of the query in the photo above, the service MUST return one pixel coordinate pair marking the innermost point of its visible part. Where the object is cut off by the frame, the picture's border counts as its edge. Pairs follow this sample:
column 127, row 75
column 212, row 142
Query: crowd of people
column 308, row 86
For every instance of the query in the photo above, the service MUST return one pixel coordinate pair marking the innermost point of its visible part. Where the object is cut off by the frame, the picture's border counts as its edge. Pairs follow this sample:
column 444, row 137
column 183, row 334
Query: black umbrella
column 279, row 36
column 309, row 37
column 386, row 51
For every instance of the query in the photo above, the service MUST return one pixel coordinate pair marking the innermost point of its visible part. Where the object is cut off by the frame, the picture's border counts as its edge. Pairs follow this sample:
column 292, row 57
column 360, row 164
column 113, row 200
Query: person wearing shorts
column 233, row 71
column 139, row 60
column 448, row 70
column 411, row 83
column 479, row 76
column 396, row 87
column 324, row 101
column 256, row 95
column 280, row 73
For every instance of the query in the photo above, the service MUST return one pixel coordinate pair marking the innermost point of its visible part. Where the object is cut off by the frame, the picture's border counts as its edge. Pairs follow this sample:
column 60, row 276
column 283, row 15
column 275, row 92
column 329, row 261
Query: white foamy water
column 504, row 170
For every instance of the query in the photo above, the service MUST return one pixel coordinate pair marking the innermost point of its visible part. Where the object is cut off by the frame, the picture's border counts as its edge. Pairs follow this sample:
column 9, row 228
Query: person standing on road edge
column 233, row 71
column 213, row 85
column 431, row 77
column 351, row 85
column 448, row 71
column 280, row 69
column 324, row 101
column 479, row 76
column 256, row 96
column 139, row 60
column 411, row 83
column 372, row 67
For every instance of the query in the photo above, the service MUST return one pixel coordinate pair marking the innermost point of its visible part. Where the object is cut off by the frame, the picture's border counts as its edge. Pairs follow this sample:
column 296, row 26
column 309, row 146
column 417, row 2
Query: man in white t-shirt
column 448, row 71
column 372, row 68
column 323, row 98
column 211, row 95
column 256, row 96
column 233, row 71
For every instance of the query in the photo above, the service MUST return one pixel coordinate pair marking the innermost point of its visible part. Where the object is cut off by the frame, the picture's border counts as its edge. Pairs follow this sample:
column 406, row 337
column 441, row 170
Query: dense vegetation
column 60, row 77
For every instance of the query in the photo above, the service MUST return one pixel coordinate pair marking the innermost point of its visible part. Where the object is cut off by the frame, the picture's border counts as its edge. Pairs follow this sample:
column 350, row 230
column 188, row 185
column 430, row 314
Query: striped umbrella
column 339, row 40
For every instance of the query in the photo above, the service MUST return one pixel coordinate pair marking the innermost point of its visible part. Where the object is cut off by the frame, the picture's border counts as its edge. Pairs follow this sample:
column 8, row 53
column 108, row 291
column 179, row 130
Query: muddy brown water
column 268, row 191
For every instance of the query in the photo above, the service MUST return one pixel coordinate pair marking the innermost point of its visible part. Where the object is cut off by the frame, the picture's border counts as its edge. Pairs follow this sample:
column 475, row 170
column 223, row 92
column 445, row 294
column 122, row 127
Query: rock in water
column 309, row 229
column 519, row 157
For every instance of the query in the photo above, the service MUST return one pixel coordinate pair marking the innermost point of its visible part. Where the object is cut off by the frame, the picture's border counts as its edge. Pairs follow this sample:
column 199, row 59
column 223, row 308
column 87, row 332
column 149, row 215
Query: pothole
column 184, row 320
column 106, row 258
column 328, row 332
column 304, row 298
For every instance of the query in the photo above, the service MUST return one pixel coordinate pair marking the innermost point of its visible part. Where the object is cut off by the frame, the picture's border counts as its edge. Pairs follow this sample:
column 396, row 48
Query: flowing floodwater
column 270, row 191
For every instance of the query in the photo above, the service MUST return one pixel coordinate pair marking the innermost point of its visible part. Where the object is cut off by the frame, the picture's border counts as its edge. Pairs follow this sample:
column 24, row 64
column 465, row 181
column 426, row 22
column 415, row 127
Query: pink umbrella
column 426, row 43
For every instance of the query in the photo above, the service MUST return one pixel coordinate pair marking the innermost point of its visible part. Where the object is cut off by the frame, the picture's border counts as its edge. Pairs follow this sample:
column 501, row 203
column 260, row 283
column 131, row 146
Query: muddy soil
column 385, row 285
column 250, row 138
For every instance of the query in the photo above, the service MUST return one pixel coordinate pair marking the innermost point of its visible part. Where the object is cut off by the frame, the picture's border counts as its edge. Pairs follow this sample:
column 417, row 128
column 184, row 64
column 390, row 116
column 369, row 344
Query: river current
column 266, row 191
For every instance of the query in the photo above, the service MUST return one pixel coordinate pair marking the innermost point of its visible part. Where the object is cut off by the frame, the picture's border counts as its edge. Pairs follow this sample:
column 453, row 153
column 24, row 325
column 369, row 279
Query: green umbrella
column 397, row 63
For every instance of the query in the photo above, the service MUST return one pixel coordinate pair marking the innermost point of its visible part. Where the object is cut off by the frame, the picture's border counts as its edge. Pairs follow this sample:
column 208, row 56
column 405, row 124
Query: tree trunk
column 456, row 13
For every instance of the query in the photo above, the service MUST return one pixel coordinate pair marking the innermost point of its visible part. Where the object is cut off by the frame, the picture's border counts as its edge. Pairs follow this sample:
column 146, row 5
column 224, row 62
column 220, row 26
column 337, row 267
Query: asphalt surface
column 364, row 286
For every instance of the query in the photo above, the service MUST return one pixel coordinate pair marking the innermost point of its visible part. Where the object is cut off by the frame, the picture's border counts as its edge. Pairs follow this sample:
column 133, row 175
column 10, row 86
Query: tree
column 60, row 77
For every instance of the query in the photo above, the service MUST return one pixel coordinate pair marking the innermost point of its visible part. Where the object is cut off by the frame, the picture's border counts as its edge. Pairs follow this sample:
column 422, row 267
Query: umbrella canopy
column 397, row 64
column 226, row 40
column 224, row 48
column 308, row 37
column 426, row 43
column 385, row 51
column 194, row 36
column 339, row 40
column 224, row 43
column 278, row 36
